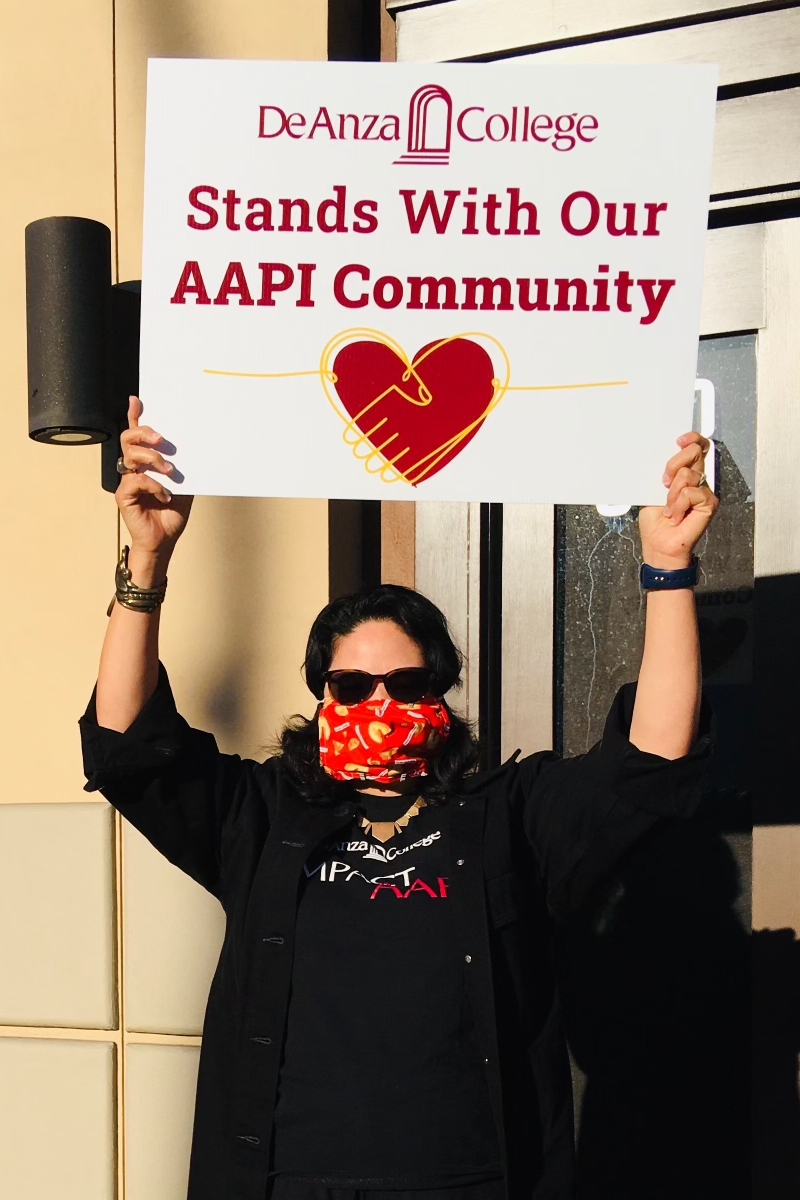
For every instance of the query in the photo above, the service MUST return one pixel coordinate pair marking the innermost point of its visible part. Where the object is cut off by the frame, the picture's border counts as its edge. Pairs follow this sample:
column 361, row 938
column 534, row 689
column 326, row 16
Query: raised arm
column 665, row 715
column 167, row 779
column 154, row 519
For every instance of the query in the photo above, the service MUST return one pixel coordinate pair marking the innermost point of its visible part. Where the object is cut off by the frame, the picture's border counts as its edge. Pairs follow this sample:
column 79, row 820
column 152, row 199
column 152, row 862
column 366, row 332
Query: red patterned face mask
column 382, row 741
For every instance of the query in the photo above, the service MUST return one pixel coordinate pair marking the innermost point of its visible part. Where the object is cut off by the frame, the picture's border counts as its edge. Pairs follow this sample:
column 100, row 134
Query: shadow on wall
column 776, row 1045
column 655, row 985
column 172, row 29
column 236, row 528
column 776, row 953
column 655, row 976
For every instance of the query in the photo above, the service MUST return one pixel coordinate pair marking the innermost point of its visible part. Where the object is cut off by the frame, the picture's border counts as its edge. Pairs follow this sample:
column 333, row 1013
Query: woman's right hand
column 154, row 517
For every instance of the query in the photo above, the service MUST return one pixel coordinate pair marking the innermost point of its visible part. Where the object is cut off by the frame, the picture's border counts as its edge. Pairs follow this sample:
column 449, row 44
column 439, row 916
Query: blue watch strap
column 654, row 580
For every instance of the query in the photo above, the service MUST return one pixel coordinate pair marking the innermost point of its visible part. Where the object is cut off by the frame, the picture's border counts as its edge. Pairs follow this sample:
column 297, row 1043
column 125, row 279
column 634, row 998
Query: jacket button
column 265, row 1041
column 297, row 845
column 276, row 939
column 460, row 862
column 467, row 958
column 461, row 803
column 248, row 1137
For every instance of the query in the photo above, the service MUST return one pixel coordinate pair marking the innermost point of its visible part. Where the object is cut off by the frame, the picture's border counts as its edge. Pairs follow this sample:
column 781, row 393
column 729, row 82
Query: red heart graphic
column 417, row 417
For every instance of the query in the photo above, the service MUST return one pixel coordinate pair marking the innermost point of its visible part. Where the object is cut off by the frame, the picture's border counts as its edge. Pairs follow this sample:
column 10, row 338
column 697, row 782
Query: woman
column 383, row 1017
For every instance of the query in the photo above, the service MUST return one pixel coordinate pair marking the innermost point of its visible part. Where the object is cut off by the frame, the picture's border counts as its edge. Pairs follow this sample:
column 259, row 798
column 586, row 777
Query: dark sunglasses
column 409, row 685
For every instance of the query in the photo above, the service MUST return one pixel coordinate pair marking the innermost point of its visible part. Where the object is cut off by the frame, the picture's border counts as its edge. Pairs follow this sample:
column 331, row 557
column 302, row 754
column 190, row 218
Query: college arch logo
column 430, row 118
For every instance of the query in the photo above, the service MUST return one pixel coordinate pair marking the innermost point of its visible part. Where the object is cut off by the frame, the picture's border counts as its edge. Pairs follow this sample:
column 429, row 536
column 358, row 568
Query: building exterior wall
column 752, row 287
column 751, row 279
column 107, row 950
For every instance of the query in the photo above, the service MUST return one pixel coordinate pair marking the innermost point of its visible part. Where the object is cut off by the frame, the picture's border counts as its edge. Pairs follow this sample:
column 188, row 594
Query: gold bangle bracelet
column 144, row 600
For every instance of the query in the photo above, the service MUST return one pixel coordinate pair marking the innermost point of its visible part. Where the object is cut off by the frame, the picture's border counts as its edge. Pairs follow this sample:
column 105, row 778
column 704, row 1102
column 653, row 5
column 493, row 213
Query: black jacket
column 536, row 836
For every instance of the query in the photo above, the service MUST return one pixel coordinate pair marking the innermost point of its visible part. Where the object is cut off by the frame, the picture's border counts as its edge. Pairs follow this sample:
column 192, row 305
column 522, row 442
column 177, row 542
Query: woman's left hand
column 670, row 533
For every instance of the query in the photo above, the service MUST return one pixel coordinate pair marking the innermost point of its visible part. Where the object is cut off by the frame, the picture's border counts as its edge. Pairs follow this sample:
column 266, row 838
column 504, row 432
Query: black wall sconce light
column 83, row 338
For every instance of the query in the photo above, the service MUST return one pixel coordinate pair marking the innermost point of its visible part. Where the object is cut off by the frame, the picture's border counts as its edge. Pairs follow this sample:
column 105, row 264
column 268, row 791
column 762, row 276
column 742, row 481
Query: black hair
column 426, row 625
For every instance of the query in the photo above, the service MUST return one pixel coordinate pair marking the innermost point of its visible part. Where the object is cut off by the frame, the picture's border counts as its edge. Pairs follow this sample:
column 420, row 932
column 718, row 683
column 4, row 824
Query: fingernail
column 665, row 479
column 167, row 495
column 667, row 512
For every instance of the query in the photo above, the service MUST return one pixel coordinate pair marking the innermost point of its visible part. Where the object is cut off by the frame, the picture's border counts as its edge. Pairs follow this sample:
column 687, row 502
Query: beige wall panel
column 56, row 1120
column 173, row 931
column 756, row 143
column 398, row 533
column 761, row 46
column 202, row 29
column 466, row 28
column 777, row 533
column 59, row 155
column 733, row 280
column 527, row 677
column 160, row 1086
column 56, row 915
column 56, row 147
column 388, row 35
column 442, row 548
column 251, row 574
column 447, row 566
column 776, row 877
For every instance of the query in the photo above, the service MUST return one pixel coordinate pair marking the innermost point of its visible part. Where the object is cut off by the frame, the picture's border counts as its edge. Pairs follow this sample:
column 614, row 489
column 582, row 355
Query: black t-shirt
column 382, row 1084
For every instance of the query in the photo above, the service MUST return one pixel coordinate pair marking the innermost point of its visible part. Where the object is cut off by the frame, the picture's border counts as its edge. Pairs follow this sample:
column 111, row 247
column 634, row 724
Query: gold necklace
column 383, row 830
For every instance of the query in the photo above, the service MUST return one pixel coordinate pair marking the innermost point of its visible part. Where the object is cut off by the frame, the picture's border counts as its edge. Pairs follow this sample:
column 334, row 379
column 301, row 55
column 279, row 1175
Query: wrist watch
column 653, row 579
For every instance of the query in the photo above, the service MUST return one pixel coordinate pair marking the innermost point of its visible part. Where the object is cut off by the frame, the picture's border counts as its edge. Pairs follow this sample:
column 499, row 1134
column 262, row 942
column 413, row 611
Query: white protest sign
column 424, row 282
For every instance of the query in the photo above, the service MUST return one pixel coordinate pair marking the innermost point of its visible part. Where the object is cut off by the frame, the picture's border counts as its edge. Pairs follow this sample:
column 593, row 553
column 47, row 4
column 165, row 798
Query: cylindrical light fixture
column 68, row 283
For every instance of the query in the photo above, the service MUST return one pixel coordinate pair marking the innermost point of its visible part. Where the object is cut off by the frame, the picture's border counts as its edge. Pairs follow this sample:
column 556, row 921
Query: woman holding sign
column 383, row 1017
